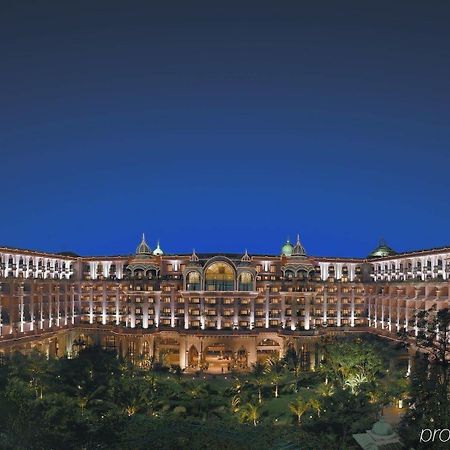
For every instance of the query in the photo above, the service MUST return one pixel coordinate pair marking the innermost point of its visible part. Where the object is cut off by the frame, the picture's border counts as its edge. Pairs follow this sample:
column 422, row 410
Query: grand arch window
column 245, row 281
column 219, row 277
column 193, row 281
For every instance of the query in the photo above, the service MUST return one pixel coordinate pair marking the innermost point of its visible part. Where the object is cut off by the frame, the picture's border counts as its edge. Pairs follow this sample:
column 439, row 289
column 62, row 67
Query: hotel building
column 212, row 311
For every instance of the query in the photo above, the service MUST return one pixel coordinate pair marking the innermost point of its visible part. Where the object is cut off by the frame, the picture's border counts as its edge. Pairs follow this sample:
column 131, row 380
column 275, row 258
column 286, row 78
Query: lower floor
column 211, row 352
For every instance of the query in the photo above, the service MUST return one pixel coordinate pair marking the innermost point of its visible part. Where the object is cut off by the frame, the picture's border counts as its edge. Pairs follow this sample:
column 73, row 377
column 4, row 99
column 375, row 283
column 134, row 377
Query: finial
column 193, row 257
column 246, row 256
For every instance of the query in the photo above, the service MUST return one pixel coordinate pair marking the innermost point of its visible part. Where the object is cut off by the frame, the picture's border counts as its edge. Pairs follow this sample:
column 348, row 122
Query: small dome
column 381, row 428
column 382, row 250
column 287, row 248
column 298, row 249
column 158, row 250
column 143, row 248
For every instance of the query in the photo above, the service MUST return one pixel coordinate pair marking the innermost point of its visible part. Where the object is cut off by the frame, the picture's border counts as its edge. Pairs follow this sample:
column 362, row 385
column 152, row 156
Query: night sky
column 224, row 127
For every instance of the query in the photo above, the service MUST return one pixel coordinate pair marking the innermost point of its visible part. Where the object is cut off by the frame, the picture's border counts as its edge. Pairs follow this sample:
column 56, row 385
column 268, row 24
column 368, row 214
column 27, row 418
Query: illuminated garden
column 95, row 400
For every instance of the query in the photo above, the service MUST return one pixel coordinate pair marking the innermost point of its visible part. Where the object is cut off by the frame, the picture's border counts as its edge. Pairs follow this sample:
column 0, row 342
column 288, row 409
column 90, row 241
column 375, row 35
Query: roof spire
column 298, row 249
column 143, row 248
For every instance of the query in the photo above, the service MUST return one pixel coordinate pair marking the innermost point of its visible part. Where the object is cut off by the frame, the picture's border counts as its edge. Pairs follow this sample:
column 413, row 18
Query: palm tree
column 235, row 402
column 259, row 383
column 355, row 381
column 251, row 413
column 258, row 373
column 315, row 404
column 299, row 407
column 274, row 370
column 325, row 390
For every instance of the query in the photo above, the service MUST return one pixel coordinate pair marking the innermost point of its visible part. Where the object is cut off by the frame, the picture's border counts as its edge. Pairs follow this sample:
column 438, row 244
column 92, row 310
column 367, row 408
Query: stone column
column 1, row 321
column 219, row 312
column 21, row 307
column 352, row 310
column 145, row 311
column 32, row 307
column 58, row 305
column 339, row 306
column 186, row 313
column 66, row 305
column 41, row 307
column 183, row 352
column 172, row 307
column 251, row 352
column 118, row 304
column 157, row 307
column 307, row 310
column 104, row 286
column 72, row 303
column 91, row 304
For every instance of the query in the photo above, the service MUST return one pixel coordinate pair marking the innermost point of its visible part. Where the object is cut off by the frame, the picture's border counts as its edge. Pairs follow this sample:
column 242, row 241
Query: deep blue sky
column 224, row 127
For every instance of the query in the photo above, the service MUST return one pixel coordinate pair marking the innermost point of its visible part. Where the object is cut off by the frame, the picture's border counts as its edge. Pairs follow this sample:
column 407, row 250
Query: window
column 219, row 277
column 245, row 281
column 193, row 281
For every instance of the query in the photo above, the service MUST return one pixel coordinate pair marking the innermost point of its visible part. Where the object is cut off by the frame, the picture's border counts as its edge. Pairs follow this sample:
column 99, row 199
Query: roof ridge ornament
column 245, row 257
column 194, row 257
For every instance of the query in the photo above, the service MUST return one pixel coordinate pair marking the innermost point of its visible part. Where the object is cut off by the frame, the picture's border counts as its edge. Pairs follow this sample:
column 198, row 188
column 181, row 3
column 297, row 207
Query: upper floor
column 229, row 272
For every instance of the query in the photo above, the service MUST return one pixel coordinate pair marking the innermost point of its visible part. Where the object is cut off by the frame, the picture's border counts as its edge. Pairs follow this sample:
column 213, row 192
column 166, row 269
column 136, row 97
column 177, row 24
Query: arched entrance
column 193, row 357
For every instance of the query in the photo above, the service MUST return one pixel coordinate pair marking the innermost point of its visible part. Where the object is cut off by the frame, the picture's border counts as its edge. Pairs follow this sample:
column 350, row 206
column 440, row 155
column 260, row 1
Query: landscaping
column 97, row 400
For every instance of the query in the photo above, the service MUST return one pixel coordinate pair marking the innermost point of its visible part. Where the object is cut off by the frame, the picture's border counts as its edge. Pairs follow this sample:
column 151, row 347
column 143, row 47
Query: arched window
column 219, row 277
column 289, row 274
column 193, row 281
column 302, row 275
column 245, row 281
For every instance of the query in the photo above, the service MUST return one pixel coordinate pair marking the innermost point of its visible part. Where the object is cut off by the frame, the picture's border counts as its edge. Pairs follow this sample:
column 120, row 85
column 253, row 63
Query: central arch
column 220, row 276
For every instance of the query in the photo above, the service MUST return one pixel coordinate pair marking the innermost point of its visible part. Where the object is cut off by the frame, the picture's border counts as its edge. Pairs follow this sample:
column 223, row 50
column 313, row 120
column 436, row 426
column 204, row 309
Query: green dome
column 382, row 250
column 287, row 249
column 381, row 428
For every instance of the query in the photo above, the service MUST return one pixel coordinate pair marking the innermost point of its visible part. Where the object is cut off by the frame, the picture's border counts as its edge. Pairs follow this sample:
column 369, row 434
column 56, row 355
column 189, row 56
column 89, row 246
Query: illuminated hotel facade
column 212, row 311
